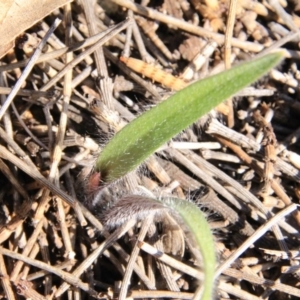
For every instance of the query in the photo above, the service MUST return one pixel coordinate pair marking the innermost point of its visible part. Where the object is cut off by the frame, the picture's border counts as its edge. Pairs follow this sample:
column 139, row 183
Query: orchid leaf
column 197, row 224
column 143, row 136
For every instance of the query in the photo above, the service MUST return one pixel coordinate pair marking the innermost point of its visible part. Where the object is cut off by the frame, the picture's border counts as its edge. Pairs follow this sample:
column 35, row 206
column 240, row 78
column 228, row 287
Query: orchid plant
column 143, row 136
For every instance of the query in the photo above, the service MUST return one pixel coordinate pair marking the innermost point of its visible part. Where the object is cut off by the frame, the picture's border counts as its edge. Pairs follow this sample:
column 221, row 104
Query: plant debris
column 59, row 110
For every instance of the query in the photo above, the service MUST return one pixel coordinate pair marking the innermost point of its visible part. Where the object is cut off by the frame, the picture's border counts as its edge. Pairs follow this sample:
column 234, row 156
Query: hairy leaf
column 139, row 139
column 198, row 226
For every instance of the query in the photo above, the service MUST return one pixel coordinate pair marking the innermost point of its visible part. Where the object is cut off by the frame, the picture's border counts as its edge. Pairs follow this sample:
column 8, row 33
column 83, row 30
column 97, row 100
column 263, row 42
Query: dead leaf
column 190, row 47
column 5, row 48
column 19, row 15
column 4, row 8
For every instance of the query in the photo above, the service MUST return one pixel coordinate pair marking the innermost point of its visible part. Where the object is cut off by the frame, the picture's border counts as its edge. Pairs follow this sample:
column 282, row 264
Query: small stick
column 111, row 32
column 276, row 45
column 149, row 30
column 73, row 280
column 228, row 39
column 209, row 180
column 26, row 289
column 269, row 144
column 70, row 253
column 240, row 275
column 32, row 240
column 133, row 257
column 252, row 239
column 129, row 29
column 193, row 145
column 154, row 73
column 64, row 265
column 27, row 129
column 236, row 291
column 93, row 256
column 215, row 127
column 57, row 151
column 105, row 82
column 28, row 68
column 45, row 253
column 153, row 14
column 253, row 163
column 155, row 167
column 134, row 76
column 242, row 193
column 33, row 253
column 208, row 154
column 159, row 294
column 89, row 11
column 166, row 271
column 287, row 168
column 7, row 122
column 8, row 291
column 176, row 264
column 286, row 18
column 140, row 43
column 10, row 176
column 57, row 53
column 198, row 61
column 27, row 93
column 34, row 173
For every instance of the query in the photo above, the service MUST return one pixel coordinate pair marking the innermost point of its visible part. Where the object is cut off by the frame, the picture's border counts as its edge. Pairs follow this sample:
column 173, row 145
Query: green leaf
column 198, row 226
column 139, row 139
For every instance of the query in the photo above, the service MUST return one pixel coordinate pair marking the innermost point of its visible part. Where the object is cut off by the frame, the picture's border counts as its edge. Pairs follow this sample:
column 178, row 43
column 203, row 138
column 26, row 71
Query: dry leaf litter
column 62, row 236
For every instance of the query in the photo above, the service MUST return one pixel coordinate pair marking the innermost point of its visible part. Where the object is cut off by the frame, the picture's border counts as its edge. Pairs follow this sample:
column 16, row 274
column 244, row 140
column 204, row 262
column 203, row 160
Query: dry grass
column 240, row 163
